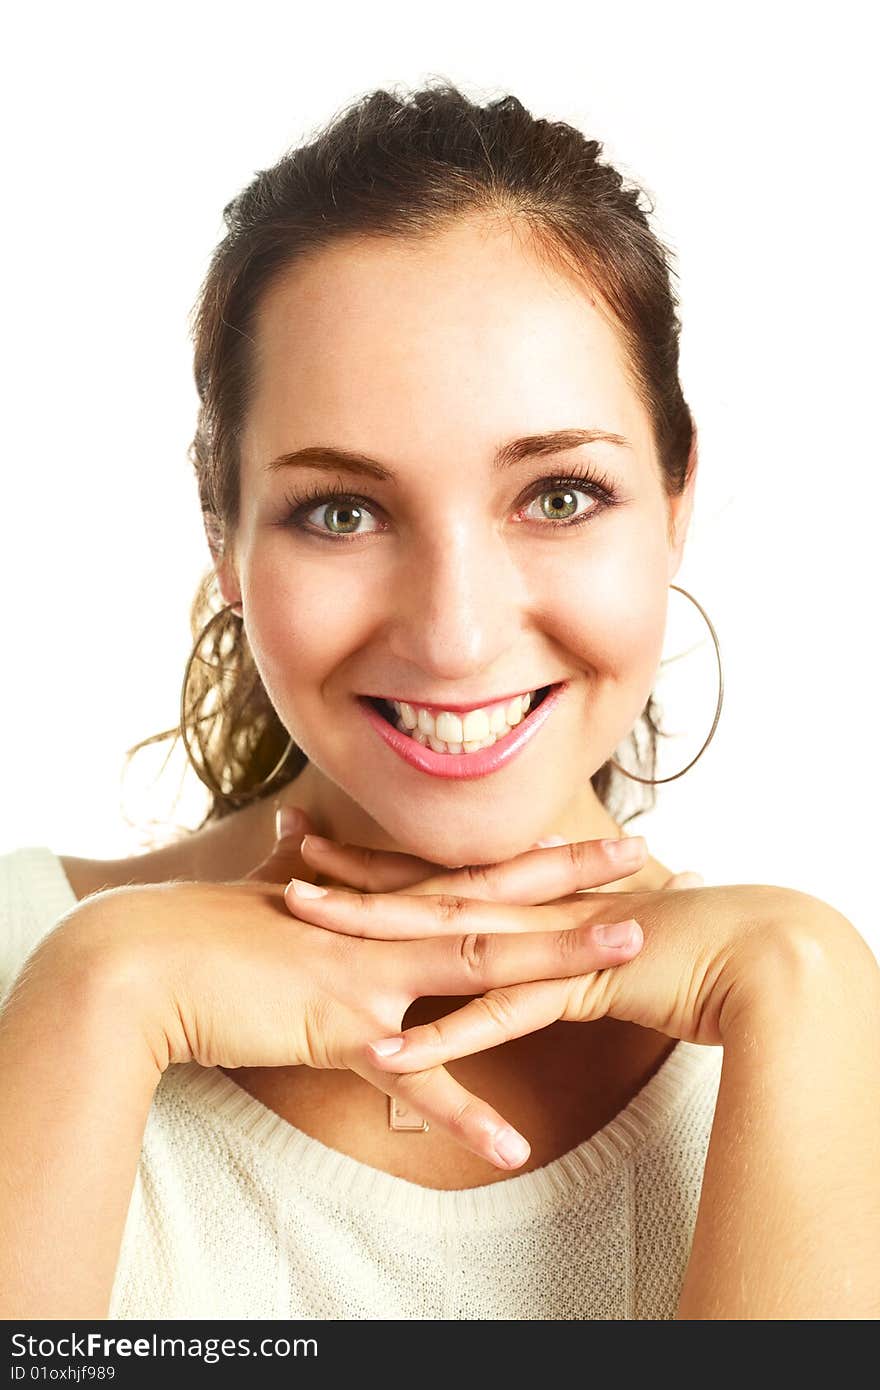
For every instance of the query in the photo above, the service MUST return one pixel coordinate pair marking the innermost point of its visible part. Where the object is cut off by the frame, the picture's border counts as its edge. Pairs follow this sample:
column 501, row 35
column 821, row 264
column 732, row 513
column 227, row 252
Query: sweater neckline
column 299, row 1158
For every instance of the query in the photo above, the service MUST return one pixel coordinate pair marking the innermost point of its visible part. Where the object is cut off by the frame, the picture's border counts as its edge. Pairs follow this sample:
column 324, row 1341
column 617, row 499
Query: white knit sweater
column 235, row 1213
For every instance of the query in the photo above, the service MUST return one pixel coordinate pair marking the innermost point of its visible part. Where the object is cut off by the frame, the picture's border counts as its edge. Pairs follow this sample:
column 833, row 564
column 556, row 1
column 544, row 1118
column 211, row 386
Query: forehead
column 462, row 339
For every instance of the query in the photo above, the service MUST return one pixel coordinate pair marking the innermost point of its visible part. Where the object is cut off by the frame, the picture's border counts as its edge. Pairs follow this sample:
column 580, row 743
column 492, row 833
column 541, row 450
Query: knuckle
column 480, row 875
column 409, row 1085
column 570, row 941
column 473, row 950
column 576, row 855
column 500, row 1006
column 587, row 997
column 451, row 906
column 369, row 867
column 460, row 1118
column 427, row 1035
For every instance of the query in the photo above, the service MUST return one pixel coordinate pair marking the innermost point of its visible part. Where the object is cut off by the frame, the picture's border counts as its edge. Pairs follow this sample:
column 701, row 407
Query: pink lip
column 464, row 765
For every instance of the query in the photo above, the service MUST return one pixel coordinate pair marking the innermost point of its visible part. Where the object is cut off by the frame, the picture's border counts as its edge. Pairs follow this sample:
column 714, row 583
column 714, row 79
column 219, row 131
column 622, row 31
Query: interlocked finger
column 494, row 1018
column 447, row 1105
column 405, row 916
column 480, row 961
column 535, row 876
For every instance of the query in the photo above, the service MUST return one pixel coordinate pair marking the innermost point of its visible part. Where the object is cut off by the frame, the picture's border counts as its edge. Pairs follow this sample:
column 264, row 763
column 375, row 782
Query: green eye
column 563, row 504
column 339, row 514
column 349, row 519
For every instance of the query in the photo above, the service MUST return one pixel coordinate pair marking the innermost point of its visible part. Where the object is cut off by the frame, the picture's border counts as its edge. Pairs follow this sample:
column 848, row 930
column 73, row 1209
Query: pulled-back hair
column 404, row 166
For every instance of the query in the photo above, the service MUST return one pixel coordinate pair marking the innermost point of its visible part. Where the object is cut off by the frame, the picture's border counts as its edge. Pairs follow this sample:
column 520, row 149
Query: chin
column 455, row 855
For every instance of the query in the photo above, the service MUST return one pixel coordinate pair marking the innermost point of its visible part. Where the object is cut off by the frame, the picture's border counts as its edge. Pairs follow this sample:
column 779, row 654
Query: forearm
column 789, row 1218
column 76, row 1084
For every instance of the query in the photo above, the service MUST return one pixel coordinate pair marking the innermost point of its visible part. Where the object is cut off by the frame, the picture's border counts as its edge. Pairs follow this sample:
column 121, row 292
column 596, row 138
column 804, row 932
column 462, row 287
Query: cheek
column 303, row 621
column 607, row 604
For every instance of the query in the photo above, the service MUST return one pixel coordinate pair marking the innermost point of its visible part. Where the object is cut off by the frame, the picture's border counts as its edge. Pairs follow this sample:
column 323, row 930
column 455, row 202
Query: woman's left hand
column 704, row 951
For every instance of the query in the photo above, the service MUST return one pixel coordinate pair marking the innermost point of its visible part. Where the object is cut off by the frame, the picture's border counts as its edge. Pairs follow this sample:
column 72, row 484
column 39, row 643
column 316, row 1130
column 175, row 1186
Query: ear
column 681, row 509
column 223, row 562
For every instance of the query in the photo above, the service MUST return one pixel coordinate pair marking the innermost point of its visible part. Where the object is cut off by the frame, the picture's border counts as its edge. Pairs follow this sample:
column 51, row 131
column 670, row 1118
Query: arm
column 77, row 1078
column 789, row 1218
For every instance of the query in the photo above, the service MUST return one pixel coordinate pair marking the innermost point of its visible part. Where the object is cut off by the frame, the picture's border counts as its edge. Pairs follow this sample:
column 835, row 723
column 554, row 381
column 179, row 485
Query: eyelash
column 598, row 486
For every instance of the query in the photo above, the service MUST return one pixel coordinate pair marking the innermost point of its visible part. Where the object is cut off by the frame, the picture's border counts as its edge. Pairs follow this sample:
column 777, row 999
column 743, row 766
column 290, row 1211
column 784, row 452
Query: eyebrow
column 507, row 456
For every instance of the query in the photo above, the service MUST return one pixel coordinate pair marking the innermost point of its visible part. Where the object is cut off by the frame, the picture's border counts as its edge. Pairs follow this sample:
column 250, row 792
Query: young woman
column 446, row 470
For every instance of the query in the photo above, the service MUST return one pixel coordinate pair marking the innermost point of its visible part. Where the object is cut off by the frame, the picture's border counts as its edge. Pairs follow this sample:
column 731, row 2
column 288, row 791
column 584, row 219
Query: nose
column 459, row 605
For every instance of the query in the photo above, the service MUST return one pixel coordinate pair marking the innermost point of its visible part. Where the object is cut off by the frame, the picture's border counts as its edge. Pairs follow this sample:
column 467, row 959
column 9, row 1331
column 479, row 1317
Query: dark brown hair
column 403, row 166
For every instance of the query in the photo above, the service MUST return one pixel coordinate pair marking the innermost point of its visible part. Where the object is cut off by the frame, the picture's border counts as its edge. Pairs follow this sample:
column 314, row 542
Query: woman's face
column 449, row 580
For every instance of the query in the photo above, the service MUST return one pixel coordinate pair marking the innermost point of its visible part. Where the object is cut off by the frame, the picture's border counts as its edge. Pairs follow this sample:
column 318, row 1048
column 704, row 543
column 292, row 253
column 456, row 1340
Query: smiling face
column 450, row 581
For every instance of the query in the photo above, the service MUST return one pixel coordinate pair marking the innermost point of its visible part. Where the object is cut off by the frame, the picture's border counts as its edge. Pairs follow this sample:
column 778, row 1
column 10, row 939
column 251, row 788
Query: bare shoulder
column 87, row 876
column 223, row 850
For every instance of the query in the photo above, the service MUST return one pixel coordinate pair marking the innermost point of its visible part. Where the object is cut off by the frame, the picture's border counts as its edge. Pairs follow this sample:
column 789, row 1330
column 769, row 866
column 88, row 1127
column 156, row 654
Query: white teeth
column 456, row 734
column 475, row 726
column 449, row 728
column 498, row 721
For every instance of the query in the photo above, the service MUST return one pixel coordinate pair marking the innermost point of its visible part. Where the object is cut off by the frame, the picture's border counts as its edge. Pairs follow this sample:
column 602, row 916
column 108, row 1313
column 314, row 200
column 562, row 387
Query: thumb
column 284, row 860
column 289, row 821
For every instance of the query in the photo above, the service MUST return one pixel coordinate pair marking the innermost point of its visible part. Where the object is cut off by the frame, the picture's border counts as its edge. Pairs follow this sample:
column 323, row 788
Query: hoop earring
column 658, row 781
column 212, row 785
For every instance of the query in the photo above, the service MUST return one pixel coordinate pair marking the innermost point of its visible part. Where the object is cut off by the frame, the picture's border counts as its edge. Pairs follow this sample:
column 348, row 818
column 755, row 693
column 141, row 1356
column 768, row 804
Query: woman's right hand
column 221, row 974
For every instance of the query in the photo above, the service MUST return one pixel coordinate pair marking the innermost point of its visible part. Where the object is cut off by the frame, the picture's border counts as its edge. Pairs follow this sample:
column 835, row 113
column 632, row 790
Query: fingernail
column 510, row 1147
column 316, row 842
column 288, row 819
column 616, row 933
column 306, row 890
column 386, row 1047
column 627, row 850
column 550, row 841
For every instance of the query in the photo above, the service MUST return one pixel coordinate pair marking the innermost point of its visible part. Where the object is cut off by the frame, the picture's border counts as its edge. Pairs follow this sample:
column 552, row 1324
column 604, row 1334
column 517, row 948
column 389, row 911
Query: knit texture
column 236, row 1213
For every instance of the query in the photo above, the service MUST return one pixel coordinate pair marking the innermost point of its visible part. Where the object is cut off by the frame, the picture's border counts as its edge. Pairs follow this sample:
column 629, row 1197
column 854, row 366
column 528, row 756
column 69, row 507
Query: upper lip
column 463, row 709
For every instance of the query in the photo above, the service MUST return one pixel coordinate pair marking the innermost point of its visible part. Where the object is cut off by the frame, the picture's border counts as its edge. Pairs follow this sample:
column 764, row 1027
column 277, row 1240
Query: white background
column 127, row 130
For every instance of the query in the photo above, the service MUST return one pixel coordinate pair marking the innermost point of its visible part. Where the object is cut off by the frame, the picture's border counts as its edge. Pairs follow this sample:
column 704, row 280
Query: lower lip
column 464, row 764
